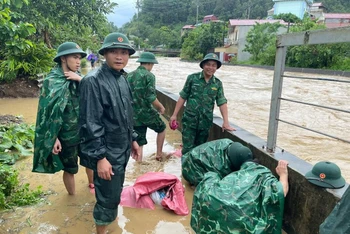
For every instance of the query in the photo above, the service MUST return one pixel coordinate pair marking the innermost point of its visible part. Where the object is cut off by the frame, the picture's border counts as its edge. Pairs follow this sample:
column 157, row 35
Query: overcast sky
column 123, row 13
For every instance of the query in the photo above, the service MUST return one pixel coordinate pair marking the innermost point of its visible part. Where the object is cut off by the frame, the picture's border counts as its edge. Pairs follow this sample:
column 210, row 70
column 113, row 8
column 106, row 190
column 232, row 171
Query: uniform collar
column 212, row 78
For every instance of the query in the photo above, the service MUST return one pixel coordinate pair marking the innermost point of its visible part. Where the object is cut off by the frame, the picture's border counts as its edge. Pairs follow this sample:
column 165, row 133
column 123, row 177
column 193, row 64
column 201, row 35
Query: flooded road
column 248, row 91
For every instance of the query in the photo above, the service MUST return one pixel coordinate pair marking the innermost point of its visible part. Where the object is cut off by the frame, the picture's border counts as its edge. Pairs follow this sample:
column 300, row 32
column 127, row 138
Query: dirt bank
column 20, row 88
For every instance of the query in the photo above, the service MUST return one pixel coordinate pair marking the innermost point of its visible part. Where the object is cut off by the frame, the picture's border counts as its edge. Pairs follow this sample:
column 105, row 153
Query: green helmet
column 116, row 40
column 238, row 154
column 68, row 48
column 147, row 57
column 326, row 174
column 211, row 56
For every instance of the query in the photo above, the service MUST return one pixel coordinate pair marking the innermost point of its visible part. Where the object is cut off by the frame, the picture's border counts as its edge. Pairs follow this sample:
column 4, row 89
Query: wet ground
column 60, row 213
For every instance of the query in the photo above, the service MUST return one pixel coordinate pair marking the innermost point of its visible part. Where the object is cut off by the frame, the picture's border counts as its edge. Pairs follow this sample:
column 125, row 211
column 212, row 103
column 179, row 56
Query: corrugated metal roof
column 337, row 16
column 188, row 26
column 246, row 22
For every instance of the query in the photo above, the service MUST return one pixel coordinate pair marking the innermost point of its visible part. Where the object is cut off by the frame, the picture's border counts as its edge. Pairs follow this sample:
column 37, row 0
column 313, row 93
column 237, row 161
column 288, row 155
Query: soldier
column 222, row 156
column 146, row 105
column 107, row 137
column 56, row 133
column 200, row 93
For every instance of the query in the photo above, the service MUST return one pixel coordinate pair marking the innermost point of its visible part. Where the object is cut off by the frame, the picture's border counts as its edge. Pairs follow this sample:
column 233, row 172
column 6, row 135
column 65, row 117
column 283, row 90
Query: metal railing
column 328, row 36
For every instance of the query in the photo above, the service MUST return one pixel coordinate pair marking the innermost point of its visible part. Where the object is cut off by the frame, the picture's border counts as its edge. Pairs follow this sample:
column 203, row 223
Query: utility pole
column 138, row 6
column 197, row 2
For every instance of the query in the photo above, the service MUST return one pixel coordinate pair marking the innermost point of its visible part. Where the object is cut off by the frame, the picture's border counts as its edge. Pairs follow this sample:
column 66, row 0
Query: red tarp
column 138, row 195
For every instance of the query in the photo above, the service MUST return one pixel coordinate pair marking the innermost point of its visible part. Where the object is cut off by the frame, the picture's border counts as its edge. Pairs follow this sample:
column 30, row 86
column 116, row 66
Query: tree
column 201, row 40
column 261, row 42
column 289, row 18
column 17, row 50
column 48, row 15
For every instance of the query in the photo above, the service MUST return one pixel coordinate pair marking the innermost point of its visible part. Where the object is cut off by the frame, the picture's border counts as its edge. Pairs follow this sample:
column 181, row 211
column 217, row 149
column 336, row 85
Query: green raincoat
column 57, row 117
column 248, row 201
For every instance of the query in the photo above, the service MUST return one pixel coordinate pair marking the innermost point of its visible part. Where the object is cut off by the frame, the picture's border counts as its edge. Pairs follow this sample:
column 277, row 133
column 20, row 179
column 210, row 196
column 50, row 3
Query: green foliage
column 261, row 42
column 311, row 56
column 165, row 36
column 83, row 63
column 288, row 17
column 48, row 15
column 203, row 38
column 27, row 62
column 340, row 6
column 13, row 193
column 16, row 140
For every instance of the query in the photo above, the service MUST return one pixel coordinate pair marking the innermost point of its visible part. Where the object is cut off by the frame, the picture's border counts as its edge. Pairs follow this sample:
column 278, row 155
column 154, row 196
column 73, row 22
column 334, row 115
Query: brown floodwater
column 248, row 91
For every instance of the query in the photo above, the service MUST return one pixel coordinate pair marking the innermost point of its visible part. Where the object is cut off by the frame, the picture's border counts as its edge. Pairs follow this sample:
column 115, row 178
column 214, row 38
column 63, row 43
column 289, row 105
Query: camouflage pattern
column 57, row 117
column 250, row 200
column 210, row 156
column 338, row 220
column 143, row 86
column 200, row 99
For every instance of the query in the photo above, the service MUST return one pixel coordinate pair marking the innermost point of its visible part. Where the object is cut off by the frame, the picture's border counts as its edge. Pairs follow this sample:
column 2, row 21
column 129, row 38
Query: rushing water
column 248, row 91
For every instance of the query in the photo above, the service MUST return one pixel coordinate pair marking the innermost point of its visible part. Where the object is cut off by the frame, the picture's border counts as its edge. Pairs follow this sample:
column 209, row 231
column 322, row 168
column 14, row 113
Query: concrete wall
column 306, row 205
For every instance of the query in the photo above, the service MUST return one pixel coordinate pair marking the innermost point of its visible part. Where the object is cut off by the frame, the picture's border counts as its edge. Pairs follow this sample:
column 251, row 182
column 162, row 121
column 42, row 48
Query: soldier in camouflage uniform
column 146, row 105
column 200, row 93
column 56, row 134
column 222, row 156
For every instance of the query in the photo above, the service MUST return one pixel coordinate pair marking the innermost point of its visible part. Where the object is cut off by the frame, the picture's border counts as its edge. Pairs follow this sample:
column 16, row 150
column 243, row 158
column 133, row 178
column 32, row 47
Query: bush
column 83, row 63
column 15, row 140
column 12, row 193
column 28, row 62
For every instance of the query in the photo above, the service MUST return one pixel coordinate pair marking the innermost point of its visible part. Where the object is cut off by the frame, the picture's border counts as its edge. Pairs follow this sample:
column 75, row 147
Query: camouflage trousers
column 192, row 137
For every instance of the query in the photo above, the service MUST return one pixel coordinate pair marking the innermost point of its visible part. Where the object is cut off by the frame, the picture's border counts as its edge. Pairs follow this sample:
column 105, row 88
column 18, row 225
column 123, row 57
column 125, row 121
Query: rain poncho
column 250, row 200
column 338, row 221
column 57, row 117
column 210, row 156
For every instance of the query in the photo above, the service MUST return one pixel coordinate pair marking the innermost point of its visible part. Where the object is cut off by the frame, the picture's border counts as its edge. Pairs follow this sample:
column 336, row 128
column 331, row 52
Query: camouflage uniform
column 200, row 99
column 142, row 83
column 57, row 117
column 248, row 201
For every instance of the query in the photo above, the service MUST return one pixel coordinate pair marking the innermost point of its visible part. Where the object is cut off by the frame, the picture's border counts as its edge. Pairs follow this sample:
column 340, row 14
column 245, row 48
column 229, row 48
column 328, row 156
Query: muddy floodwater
column 248, row 91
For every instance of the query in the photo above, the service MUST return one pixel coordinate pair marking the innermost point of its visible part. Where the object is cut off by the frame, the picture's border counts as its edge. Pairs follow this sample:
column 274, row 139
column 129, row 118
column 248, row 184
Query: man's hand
column 282, row 168
column 282, row 171
column 136, row 152
column 227, row 127
column 172, row 118
column 104, row 169
column 57, row 147
column 72, row 76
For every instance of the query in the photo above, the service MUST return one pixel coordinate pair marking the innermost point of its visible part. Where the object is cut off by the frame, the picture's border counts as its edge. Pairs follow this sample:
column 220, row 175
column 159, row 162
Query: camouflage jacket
column 200, row 99
column 57, row 117
column 142, row 84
